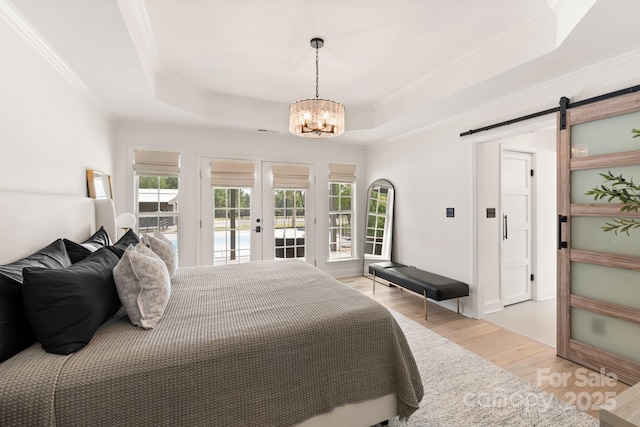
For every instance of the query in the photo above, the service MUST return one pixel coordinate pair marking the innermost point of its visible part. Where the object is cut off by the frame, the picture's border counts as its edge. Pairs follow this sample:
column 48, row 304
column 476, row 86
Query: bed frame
column 30, row 221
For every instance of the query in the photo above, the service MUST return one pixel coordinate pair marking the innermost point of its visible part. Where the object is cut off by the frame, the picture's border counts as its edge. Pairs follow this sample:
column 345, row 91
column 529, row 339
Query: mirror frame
column 97, row 181
column 388, row 228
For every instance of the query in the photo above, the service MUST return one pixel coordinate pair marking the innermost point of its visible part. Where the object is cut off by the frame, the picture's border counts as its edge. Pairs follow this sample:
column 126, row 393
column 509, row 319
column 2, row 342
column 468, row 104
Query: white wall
column 194, row 144
column 430, row 172
column 50, row 132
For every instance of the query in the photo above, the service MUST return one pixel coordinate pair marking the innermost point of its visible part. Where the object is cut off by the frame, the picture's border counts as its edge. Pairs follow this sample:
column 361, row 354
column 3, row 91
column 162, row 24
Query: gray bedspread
column 268, row 343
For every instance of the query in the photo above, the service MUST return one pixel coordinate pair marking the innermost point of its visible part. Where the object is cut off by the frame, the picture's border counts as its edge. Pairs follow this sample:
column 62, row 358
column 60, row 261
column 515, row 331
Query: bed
column 271, row 343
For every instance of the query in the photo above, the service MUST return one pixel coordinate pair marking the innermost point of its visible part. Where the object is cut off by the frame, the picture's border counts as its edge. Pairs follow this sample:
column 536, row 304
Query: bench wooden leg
column 458, row 304
column 425, row 305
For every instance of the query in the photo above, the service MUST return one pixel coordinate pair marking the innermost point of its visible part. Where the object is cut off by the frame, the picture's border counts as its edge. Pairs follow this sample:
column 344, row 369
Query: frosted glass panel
column 585, row 180
column 587, row 234
column 616, row 336
column 612, row 135
column 614, row 285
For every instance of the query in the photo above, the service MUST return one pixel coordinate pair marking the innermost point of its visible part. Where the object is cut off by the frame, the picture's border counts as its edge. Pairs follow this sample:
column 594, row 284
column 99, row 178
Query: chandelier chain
column 317, row 79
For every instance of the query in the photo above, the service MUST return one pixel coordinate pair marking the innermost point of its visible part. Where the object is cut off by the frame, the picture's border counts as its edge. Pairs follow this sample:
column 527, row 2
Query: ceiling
column 396, row 66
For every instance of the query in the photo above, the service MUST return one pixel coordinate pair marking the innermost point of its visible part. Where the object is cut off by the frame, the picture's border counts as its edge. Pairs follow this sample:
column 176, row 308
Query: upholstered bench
column 430, row 285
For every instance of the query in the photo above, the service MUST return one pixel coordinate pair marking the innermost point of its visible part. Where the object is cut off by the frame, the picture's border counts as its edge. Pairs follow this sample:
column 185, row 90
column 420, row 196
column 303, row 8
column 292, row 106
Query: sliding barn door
column 598, row 261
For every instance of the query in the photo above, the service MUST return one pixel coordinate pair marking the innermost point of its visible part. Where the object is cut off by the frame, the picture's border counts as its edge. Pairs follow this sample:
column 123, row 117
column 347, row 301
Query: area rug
column 463, row 389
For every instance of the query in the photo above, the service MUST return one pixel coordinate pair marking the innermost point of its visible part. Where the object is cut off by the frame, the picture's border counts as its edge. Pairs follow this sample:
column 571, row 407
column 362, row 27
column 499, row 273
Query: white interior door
column 516, row 245
column 288, row 211
column 230, row 211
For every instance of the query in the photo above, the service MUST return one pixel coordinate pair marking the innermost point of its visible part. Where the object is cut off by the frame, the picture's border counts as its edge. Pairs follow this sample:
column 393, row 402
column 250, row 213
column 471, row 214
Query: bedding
column 269, row 343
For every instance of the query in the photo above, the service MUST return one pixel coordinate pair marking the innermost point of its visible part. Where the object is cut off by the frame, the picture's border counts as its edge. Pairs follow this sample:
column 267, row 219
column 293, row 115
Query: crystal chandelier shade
column 316, row 118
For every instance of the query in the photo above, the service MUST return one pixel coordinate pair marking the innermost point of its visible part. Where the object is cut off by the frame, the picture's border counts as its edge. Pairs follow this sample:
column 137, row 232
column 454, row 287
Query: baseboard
column 492, row 306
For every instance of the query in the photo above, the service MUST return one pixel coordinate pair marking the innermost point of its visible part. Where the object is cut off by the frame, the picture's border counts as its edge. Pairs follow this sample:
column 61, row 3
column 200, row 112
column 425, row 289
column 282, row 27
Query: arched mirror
column 379, row 223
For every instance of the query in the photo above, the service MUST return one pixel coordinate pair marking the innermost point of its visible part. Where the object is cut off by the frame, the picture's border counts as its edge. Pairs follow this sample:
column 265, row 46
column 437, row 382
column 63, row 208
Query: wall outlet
column 450, row 212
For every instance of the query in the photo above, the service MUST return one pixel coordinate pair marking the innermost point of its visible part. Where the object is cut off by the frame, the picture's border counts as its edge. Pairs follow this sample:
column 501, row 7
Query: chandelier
column 316, row 118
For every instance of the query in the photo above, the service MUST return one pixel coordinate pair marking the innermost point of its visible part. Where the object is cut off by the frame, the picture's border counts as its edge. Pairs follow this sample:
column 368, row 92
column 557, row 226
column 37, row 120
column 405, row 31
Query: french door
column 598, row 257
column 252, row 210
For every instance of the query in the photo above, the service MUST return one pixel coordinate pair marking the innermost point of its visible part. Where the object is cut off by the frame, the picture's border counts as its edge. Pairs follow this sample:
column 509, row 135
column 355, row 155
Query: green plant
column 625, row 192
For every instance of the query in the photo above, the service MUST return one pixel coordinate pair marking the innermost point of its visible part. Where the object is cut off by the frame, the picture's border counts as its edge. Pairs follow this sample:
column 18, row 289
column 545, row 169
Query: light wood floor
column 524, row 357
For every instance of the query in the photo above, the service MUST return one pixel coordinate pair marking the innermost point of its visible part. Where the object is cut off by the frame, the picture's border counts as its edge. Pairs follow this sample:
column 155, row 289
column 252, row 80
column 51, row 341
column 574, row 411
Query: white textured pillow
column 164, row 249
column 143, row 285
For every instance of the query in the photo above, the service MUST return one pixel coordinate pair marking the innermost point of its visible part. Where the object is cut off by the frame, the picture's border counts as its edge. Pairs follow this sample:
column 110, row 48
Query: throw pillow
column 164, row 249
column 143, row 284
column 66, row 307
column 79, row 251
column 15, row 332
column 129, row 238
column 52, row 256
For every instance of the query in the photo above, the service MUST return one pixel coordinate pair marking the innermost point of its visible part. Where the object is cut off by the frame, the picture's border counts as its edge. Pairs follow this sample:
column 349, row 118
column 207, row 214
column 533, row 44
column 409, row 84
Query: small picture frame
column 99, row 185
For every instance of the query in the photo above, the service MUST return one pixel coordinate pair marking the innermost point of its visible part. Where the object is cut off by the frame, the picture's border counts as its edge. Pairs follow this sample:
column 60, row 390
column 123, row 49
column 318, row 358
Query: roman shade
column 156, row 163
column 339, row 172
column 290, row 177
column 229, row 174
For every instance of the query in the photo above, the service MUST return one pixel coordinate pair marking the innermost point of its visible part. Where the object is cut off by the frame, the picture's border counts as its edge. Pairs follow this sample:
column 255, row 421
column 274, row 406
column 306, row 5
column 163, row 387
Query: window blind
column 230, row 174
column 156, row 163
column 291, row 177
column 339, row 172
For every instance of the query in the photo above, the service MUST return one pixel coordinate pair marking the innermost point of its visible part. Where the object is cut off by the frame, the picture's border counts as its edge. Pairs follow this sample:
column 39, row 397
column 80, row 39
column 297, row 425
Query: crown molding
column 136, row 18
column 612, row 69
column 26, row 30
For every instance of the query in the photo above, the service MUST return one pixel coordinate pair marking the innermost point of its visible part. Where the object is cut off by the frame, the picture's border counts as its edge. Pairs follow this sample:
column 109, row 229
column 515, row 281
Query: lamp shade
column 316, row 118
column 126, row 220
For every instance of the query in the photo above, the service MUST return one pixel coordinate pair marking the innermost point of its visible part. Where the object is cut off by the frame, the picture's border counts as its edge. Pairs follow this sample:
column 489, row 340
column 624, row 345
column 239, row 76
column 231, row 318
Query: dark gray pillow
column 66, row 307
column 129, row 238
column 79, row 251
column 15, row 332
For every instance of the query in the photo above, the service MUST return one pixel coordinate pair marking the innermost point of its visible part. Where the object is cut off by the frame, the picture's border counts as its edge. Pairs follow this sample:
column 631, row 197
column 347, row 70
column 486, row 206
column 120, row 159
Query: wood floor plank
column 526, row 358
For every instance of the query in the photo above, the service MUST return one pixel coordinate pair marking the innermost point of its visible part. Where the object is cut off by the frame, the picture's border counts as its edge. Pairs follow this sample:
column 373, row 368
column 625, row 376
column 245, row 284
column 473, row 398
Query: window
column 341, row 217
column 157, row 184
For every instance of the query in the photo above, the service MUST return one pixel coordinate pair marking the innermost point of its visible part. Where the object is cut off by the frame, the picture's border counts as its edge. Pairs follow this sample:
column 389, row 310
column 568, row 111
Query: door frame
column 485, row 256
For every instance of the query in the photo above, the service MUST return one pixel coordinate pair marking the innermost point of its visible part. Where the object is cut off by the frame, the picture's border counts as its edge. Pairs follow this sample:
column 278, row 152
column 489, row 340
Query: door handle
column 505, row 227
column 561, row 220
column 258, row 229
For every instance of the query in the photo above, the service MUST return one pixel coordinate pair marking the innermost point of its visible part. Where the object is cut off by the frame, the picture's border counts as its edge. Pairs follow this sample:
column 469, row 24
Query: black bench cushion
column 378, row 267
column 438, row 287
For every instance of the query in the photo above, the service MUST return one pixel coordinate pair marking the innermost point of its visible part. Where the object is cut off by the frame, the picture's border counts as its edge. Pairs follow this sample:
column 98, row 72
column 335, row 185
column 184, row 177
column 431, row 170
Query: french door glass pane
column 289, row 223
column 585, row 180
column 231, row 225
column 607, row 333
column 614, row 285
column 610, row 135
column 587, row 234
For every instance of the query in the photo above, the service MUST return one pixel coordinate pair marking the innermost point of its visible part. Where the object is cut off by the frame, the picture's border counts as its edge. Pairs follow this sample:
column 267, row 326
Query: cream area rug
column 463, row 389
